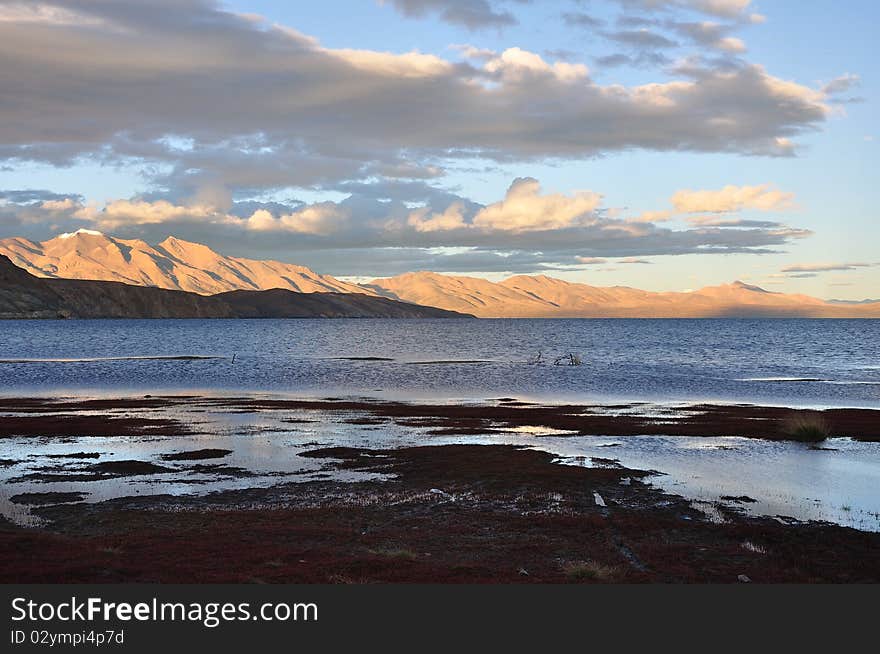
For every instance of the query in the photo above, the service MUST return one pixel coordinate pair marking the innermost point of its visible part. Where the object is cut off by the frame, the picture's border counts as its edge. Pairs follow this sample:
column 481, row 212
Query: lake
column 792, row 362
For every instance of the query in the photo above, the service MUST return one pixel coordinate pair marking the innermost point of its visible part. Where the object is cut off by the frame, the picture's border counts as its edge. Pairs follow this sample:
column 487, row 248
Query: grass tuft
column 589, row 571
column 806, row 427
column 392, row 553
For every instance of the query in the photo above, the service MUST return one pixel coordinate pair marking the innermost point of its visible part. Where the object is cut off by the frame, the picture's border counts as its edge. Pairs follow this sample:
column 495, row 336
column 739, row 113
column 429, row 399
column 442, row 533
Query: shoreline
column 742, row 420
column 432, row 398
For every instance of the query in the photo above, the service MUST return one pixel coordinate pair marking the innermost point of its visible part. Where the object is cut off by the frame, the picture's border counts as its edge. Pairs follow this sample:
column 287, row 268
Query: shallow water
column 822, row 363
column 838, row 484
column 791, row 362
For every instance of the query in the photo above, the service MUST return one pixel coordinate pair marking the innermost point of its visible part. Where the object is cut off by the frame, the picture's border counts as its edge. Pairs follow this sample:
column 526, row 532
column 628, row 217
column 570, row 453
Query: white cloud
column 733, row 198
column 731, row 44
column 524, row 209
column 518, row 65
column 423, row 220
column 653, row 217
column 322, row 219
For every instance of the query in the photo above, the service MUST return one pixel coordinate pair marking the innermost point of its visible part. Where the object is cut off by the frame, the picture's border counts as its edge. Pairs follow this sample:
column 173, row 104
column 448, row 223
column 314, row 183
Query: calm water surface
column 796, row 362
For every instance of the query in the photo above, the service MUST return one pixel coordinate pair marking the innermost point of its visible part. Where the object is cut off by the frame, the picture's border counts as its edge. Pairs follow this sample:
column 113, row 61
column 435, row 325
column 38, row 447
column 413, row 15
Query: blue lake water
column 795, row 362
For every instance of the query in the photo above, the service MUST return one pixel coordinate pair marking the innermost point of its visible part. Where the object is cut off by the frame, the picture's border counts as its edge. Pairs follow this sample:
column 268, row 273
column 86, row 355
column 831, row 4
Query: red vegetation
column 453, row 514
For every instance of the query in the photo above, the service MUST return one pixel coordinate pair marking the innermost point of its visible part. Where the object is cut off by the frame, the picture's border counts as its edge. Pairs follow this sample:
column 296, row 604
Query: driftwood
column 569, row 359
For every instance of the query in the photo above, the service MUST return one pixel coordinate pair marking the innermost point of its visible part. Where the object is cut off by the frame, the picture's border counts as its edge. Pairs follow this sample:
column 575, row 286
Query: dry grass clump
column 589, row 571
column 393, row 553
column 806, row 427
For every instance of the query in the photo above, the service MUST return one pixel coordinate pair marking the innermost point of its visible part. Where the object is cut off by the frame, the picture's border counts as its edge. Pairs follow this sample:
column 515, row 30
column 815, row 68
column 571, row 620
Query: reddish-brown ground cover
column 487, row 514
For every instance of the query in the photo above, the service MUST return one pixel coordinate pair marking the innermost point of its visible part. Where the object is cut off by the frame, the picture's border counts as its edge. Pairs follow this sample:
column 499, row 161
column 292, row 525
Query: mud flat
column 436, row 512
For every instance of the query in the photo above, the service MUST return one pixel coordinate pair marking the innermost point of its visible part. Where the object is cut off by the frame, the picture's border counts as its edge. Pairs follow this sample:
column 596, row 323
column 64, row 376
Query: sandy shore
column 444, row 513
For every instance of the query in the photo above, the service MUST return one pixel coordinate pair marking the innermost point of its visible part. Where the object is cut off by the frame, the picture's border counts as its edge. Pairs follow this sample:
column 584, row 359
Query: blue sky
column 663, row 144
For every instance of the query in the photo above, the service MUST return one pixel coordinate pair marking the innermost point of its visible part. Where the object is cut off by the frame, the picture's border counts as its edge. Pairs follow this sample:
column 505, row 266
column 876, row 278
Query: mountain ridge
column 525, row 296
column 24, row 296
column 173, row 264
column 176, row 264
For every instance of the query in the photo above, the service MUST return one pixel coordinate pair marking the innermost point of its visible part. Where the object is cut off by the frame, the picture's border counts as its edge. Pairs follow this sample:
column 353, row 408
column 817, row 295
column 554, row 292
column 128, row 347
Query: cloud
column 732, row 198
column 422, row 220
column 473, row 52
column 206, row 97
column 45, row 14
column 824, row 267
column 721, row 8
column 322, row 219
column 709, row 34
column 641, row 59
column 472, row 14
column 524, row 209
column 516, row 65
column 31, row 196
column 525, row 231
column 841, row 84
column 835, row 89
column 653, row 217
column 641, row 38
column 715, row 221
column 581, row 19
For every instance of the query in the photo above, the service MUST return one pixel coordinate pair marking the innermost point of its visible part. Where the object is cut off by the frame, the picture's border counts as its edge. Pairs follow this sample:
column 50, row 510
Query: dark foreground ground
column 449, row 514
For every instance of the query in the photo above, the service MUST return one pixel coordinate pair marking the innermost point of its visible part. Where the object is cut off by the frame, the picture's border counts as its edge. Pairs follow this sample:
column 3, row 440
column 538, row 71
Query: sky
column 661, row 144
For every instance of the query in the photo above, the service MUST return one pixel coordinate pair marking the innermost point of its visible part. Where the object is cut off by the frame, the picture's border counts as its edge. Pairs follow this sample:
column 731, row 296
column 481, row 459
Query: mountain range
column 180, row 265
column 540, row 296
column 172, row 264
column 24, row 296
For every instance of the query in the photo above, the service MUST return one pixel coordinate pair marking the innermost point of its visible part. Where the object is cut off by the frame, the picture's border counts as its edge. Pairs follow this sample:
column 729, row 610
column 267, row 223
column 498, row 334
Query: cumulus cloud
column 423, row 220
column 322, row 219
column 524, row 209
column 517, row 65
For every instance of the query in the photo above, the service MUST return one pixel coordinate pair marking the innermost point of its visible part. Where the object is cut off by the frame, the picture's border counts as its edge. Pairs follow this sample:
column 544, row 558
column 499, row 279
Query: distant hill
column 545, row 297
column 172, row 264
column 24, row 296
